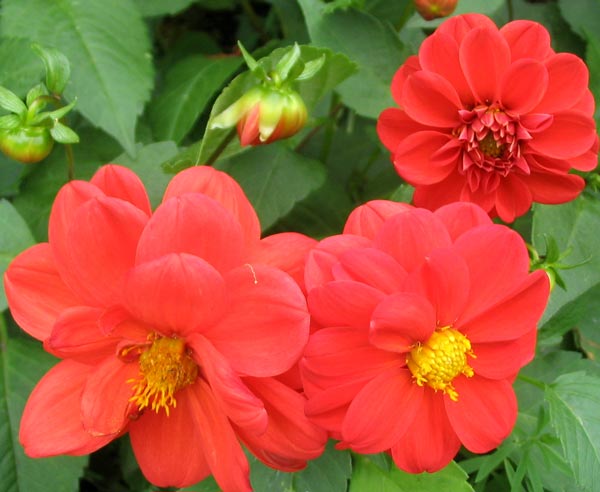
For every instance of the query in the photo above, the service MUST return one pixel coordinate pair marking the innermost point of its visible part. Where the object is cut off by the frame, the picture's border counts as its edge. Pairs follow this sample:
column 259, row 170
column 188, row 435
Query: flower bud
column 431, row 9
column 263, row 115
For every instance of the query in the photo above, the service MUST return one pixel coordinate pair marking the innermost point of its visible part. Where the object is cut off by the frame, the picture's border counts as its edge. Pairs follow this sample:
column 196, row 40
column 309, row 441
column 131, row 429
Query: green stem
column 70, row 162
column 254, row 20
column 219, row 150
column 38, row 101
column 534, row 382
column 511, row 10
column 332, row 114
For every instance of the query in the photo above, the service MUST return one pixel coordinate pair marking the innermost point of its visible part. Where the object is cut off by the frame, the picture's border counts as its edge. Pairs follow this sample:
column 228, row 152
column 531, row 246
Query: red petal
column 513, row 198
column 515, row 315
column 523, row 85
column 502, row 360
column 291, row 439
column 484, row 57
column 382, row 412
column 567, row 83
column 400, row 321
column 322, row 258
column 409, row 237
column 77, row 335
column 430, row 99
column 434, row 196
column 287, row 251
column 372, row 267
column 51, row 422
column 36, row 294
column 459, row 217
column 195, row 224
column 343, row 303
column 394, row 125
column 237, row 401
column 484, row 414
column 554, row 188
column 587, row 161
column 266, row 326
column 459, row 26
column 105, row 405
column 410, row 66
column 366, row 220
column 120, row 182
column 170, row 450
column 103, row 240
column 177, row 293
column 430, row 443
column 439, row 54
column 222, row 188
column 413, row 158
column 527, row 39
column 570, row 134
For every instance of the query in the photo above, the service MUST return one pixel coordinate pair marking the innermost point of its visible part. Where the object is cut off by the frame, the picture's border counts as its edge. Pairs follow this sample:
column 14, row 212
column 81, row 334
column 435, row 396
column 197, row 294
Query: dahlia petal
column 587, row 161
column 51, row 422
column 343, row 303
column 102, row 242
column 287, row 251
column 410, row 66
column 394, row 125
column 35, row 291
column 567, row 83
column 430, row 443
column 176, row 294
column 484, row 57
column 430, row 99
column 459, row 217
column 502, row 360
column 196, row 224
column 321, row 259
column 291, row 439
column 536, row 122
column 459, row 26
column 222, row 450
column 366, row 220
column 497, row 259
column 77, row 335
column 234, row 397
column 105, row 405
column 571, row 134
column 382, row 412
column 512, row 317
column 484, row 414
column 170, row 450
column 400, row 321
column 587, row 104
column 513, row 198
column 266, row 325
column 439, row 54
column 413, row 158
column 372, row 267
column 436, row 195
column 554, row 188
column 527, row 39
column 523, row 85
column 120, row 182
column 410, row 237
column 222, row 188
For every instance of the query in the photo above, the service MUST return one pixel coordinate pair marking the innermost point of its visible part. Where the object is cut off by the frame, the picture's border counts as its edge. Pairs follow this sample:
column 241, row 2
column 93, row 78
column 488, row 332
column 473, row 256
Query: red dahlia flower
column 427, row 318
column 172, row 326
column 490, row 116
column 432, row 9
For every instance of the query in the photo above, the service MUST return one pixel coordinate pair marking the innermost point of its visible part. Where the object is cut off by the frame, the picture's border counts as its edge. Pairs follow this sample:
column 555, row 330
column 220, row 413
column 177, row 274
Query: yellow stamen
column 439, row 360
column 489, row 146
column 165, row 368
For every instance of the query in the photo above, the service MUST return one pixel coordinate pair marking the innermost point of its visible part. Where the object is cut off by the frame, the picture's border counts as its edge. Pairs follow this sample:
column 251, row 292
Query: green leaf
column 367, row 476
column 155, row 8
column 592, row 58
column 575, row 227
column 10, row 101
column 582, row 15
column 274, row 178
column 22, row 364
column 574, row 401
column 20, row 67
column 9, row 121
column 35, row 92
column 109, row 50
column 367, row 41
column 57, row 66
column 63, row 134
column 15, row 236
column 189, row 87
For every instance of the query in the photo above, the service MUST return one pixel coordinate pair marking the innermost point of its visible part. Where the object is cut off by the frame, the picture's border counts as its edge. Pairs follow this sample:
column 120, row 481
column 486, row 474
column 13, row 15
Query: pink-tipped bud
column 432, row 9
column 263, row 115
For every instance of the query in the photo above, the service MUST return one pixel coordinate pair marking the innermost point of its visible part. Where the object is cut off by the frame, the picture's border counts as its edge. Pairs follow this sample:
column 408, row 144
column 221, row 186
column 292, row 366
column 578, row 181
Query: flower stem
column 535, row 382
column 219, row 150
column 254, row 20
column 70, row 162
column 511, row 10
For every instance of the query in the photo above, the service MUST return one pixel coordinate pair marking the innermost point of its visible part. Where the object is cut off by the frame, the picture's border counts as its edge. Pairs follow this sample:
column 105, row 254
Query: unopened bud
column 431, row 9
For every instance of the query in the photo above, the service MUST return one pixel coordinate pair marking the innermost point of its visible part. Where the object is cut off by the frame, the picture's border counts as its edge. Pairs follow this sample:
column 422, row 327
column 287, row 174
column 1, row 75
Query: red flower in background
column 172, row 326
column 491, row 116
column 433, row 9
column 427, row 318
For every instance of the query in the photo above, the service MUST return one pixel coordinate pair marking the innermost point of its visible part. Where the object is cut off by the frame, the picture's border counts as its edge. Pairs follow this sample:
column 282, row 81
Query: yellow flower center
column 165, row 368
column 489, row 146
column 440, row 359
